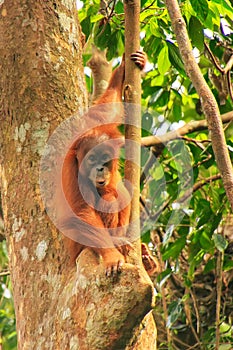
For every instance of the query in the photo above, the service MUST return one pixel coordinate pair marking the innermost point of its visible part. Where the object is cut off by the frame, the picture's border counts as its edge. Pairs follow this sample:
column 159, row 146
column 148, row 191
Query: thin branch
column 149, row 6
column 229, row 65
column 213, row 59
column 195, row 305
column 219, row 267
column 199, row 143
column 163, row 292
column 188, row 128
column 188, row 314
column 112, row 10
column 4, row 273
column 198, row 185
column 229, row 85
column 226, row 72
column 154, row 153
column 160, row 210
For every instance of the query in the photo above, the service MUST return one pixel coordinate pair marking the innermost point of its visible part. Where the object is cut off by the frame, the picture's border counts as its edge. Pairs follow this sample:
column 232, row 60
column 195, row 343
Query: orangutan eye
column 91, row 158
column 105, row 158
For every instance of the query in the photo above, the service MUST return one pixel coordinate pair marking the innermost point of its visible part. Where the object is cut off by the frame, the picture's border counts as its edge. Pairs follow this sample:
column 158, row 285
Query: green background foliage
column 7, row 316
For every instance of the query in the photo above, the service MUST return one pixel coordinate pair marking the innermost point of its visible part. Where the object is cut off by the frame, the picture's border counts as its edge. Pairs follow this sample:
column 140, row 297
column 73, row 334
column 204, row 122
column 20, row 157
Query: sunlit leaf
column 220, row 242
column 154, row 28
column 119, row 8
column 163, row 61
column 173, row 250
column 175, row 57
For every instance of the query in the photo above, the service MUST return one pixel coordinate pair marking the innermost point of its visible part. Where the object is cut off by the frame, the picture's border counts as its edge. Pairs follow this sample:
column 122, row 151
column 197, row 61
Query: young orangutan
column 91, row 182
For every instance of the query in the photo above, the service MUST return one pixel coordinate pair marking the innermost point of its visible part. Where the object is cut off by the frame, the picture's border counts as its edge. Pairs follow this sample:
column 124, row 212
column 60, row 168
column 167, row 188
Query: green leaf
column 215, row 221
column 210, row 265
column 158, row 172
column 173, row 250
column 86, row 26
column 102, row 35
column 96, row 18
column 205, row 212
column 205, row 241
column 204, row 62
column 153, row 98
column 119, row 8
column 163, row 276
column 143, row 3
column 146, row 238
column 114, row 50
column 201, row 8
column 176, row 111
column 163, row 99
column 195, row 258
column 147, row 121
column 224, row 6
column 154, row 28
column 220, row 242
column 228, row 265
column 163, row 61
column 196, row 33
column 174, row 310
column 175, row 57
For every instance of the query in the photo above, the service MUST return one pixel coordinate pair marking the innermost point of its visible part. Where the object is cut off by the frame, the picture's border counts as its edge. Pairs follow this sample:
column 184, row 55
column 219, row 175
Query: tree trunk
column 132, row 98
column 42, row 83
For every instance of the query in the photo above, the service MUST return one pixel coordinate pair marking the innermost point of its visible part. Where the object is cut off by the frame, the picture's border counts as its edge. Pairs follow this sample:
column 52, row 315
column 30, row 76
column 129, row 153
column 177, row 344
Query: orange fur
column 101, row 221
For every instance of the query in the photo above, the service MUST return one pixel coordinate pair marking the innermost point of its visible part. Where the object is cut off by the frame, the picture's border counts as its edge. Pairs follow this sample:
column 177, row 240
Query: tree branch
column 209, row 104
column 188, row 128
column 197, row 186
column 226, row 72
column 133, row 118
column 4, row 273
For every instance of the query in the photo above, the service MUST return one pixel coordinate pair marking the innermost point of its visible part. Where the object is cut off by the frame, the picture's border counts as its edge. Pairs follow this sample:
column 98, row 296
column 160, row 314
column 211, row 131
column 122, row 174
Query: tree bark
column 132, row 99
column 41, row 84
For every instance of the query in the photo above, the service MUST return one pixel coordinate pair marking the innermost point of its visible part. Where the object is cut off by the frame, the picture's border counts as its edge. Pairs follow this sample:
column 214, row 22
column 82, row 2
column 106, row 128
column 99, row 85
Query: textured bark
column 42, row 83
column 107, row 312
column 132, row 98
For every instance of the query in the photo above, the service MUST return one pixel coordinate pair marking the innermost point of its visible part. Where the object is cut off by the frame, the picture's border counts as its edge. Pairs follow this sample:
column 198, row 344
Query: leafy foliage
column 8, row 338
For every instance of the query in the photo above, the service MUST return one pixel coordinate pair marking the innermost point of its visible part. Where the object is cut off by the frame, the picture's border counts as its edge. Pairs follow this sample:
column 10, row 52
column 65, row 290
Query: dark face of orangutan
column 97, row 165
